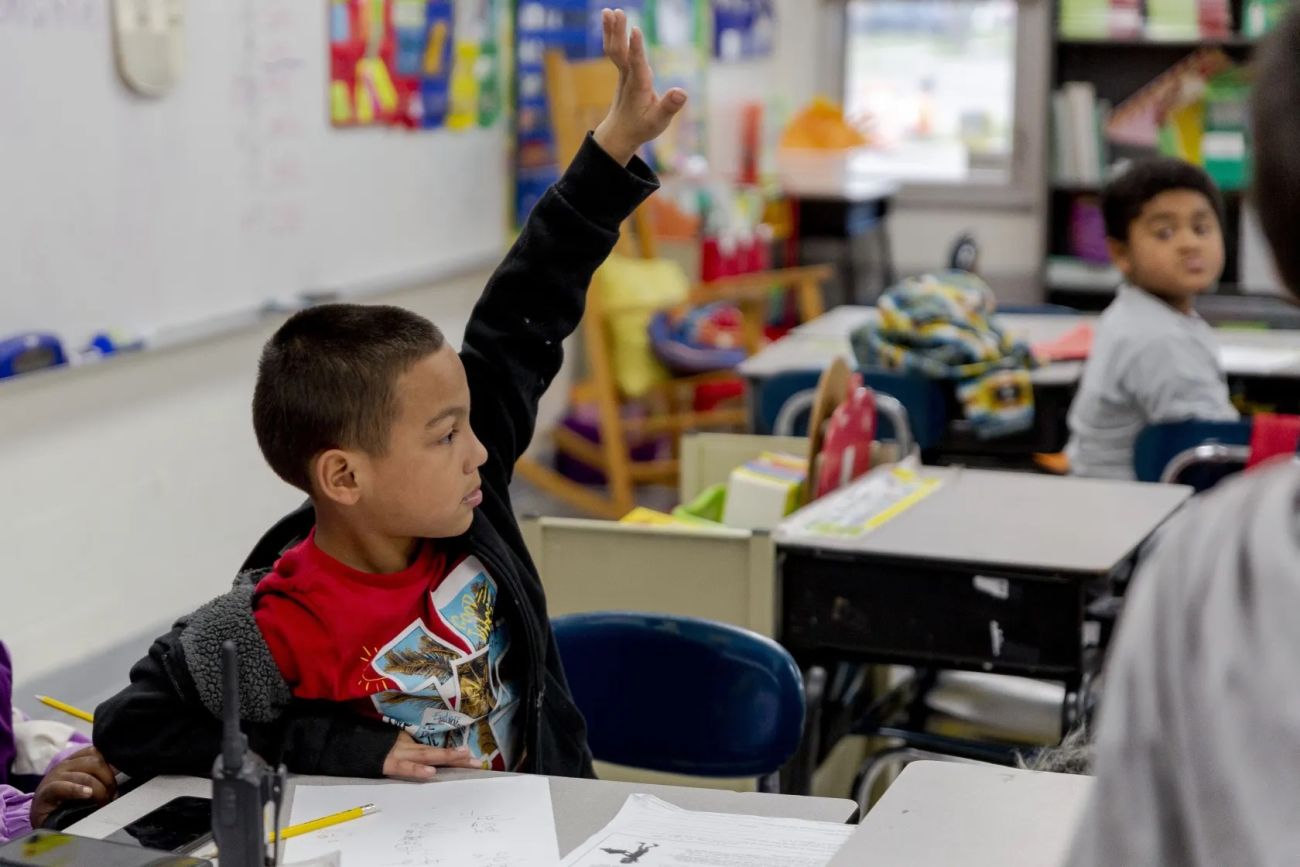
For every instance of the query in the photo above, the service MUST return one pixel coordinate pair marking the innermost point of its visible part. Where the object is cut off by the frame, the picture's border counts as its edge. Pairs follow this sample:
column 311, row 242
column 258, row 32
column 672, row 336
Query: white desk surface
column 813, row 345
column 1014, row 521
column 582, row 807
column 939, row 813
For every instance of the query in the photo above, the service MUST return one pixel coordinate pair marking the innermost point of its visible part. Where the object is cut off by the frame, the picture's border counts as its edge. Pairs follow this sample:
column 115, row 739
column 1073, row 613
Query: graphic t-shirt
column 421, row 648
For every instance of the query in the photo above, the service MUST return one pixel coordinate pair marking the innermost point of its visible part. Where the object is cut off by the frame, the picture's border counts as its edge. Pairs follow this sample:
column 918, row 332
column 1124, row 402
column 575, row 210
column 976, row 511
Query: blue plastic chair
column 923, row 398
column 683, row 695
column 1194, row 452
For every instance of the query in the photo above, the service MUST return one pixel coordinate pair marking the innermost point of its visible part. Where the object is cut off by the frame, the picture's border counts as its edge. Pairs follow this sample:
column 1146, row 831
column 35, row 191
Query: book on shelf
column 1079, row 152
column 1069, row 272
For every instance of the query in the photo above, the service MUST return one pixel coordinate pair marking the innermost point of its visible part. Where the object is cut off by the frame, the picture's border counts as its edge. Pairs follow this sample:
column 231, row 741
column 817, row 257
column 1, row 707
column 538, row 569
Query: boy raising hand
column 396, row 623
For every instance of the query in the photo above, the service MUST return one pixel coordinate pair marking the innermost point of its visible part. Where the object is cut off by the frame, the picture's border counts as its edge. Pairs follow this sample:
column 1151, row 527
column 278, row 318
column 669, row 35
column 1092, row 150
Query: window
column 937, row 82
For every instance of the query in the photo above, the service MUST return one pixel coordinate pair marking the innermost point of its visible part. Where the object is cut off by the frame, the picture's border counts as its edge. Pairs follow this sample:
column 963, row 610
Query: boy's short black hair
column 1124, row 197
column 1275, row 125
column 326, row 379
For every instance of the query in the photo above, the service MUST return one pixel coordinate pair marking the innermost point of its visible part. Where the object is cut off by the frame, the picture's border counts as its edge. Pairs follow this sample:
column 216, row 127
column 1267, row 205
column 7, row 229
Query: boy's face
column 427, row 484
column 1174, row 247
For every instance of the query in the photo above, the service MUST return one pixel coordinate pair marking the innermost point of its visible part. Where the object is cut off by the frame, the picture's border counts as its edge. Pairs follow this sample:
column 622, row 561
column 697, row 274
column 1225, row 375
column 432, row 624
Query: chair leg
column 567, row 490
column 796, row 776
column 613, row 437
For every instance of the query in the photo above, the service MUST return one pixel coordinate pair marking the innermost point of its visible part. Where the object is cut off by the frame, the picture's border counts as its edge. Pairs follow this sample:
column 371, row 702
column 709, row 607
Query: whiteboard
column 232, row 192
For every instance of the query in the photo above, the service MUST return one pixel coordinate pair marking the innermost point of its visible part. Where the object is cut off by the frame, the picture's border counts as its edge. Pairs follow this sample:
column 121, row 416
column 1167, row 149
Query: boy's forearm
column 512, row 348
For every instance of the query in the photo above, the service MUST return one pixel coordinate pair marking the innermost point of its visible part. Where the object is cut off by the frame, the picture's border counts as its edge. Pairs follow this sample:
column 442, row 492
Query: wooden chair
column 579, row 94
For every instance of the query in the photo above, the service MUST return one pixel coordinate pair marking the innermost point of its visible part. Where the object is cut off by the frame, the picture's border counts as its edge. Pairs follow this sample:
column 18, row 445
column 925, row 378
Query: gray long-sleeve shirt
column 1199, row 736
column 1149, row 363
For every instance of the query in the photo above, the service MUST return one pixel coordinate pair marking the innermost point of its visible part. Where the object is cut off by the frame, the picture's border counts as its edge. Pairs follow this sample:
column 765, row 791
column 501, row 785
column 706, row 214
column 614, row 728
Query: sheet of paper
column 1257, row 359
column 846, row 515
column 653, row 833
column 505, row 822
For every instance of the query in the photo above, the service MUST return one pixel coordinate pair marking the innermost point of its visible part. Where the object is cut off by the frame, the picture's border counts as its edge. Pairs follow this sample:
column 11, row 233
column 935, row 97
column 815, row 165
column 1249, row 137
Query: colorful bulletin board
column 677, row 33
column 418, row 64
column 743, row 29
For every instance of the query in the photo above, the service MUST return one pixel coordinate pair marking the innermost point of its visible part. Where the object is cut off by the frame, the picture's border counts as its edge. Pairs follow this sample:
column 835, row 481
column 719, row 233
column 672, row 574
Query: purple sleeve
column 15, row 813
column 76, row 744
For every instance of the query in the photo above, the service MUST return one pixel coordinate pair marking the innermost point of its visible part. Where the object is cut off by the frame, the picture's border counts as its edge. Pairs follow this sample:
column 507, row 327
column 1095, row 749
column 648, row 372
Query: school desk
column 581, row 807
column 1263, row 364
column 992, row 571
column 942, row 813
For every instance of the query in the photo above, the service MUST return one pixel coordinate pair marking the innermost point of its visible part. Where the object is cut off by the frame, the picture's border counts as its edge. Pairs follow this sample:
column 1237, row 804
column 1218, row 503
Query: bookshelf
column 1116, row 68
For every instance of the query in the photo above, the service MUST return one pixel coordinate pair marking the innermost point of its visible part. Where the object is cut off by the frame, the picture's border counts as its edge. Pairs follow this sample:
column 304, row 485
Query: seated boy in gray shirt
column 1153, row 358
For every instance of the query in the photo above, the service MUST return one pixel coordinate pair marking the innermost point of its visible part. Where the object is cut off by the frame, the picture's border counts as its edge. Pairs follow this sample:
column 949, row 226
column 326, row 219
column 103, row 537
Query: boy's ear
column 334, row 474
column 1120, row 255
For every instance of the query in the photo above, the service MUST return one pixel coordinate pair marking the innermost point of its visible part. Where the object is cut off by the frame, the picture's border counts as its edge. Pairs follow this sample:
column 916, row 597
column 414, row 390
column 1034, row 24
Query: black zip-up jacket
column 166, row 721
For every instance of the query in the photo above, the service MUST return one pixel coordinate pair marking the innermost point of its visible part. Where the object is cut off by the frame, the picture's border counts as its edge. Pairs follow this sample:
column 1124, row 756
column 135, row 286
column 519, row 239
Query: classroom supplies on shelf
column 1260, row 17
column 1078, row 117
column 1156, row 20
column 1137, row 120
column 1088, row 231
column 1073, row 273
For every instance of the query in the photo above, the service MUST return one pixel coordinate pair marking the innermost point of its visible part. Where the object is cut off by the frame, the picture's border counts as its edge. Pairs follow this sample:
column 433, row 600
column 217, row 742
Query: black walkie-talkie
column 242, row 783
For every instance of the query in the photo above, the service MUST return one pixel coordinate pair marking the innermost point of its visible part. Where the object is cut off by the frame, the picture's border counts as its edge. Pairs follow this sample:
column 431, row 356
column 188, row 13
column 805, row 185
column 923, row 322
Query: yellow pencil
column 325, row 822
column 66, row 708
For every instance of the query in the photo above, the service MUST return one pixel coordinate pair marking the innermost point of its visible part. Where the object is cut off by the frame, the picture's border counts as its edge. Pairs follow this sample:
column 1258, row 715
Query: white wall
column 133, row 490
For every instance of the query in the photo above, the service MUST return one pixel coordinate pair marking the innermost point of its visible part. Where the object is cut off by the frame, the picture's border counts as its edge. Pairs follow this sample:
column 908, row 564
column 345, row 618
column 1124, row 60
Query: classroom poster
column 418, row 64
column 677, row 33
column 743, row 29
column 540, row 25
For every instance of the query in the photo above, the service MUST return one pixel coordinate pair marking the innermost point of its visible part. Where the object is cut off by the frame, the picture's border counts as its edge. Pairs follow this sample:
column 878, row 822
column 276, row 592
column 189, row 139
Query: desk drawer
column 944, row 618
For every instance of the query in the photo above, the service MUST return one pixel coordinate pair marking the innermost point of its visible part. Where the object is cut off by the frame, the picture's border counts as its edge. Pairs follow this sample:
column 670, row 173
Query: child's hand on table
column 638, row 114
column 411, row 760
column 83, row 776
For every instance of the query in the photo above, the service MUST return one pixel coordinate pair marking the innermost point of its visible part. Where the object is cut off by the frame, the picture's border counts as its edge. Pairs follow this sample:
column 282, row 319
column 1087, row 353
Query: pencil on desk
column 325, row 822
column 66, row 708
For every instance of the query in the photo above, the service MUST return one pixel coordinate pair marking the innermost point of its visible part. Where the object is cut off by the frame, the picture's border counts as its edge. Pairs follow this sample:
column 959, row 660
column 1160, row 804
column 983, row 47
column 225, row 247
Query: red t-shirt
column 421, row 648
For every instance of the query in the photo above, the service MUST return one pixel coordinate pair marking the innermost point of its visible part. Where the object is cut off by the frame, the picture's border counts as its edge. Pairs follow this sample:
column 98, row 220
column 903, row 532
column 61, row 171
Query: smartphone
column 179, row 825
column 56, row 849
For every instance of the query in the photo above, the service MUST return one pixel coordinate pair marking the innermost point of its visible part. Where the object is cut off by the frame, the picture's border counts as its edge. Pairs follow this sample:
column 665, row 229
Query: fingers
column 665, row 109
column 638, row 63
column 453, row 758
column 99, row 792
column 75, row 787
column 90, row 762
column 614, row 29
column 407, row 770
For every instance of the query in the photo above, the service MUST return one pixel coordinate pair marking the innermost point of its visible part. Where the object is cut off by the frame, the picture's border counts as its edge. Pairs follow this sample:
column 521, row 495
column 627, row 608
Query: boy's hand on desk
column 83, row 776
column 638, row 114
column 412, row 760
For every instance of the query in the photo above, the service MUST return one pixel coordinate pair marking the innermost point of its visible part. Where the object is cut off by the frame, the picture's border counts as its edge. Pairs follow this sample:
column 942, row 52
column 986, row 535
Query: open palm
column 638, row 114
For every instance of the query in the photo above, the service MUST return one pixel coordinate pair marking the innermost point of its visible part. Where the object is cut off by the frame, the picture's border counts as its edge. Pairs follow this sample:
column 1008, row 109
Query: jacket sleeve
column 512, row 347
column 159, row 725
